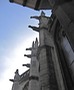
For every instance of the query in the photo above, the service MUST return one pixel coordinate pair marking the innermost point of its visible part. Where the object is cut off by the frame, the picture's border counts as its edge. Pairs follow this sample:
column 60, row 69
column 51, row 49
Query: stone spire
column 34, row 67
column 15, row 81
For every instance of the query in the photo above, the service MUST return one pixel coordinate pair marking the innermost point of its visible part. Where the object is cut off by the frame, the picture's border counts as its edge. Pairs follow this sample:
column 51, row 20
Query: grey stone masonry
column 16, row 85
column 47, row 73
column 65, row 15
column 34, row 67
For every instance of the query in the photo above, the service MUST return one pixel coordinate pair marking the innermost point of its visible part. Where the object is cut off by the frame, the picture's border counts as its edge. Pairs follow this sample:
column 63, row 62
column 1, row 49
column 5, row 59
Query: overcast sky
column 15, row 37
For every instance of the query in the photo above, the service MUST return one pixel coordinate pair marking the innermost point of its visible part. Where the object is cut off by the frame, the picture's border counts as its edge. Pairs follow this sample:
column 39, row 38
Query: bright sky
column 15, row 37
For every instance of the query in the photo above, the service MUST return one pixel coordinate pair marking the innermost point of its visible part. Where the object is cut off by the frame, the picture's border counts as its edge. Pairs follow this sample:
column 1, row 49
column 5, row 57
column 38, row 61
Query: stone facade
column 55, row 52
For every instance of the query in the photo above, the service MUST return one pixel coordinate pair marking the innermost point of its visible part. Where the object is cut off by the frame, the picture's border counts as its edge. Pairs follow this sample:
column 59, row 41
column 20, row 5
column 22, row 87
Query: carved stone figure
column 43, row 20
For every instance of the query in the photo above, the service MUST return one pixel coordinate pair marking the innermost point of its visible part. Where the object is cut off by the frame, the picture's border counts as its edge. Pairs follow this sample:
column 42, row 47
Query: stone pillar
column 47, row 73
column 34, row 68
column 15, row 81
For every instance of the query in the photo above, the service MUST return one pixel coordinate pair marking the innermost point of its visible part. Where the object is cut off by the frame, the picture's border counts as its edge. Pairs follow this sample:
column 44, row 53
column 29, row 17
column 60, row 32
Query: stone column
column 34, row 68
column 47, row 73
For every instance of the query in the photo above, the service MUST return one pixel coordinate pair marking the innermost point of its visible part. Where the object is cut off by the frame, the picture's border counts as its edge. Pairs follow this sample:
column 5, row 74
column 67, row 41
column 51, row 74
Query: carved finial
column 43, row 22
column 42, row 13
column 33, row 49
column 17, row 71
column 36, row 40
column 33, row 45
column 16, row 77
column 27, row 65
column 36, row 43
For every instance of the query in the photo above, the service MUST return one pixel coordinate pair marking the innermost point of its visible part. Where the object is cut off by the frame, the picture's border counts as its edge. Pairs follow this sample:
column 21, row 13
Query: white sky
column 14, row 61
